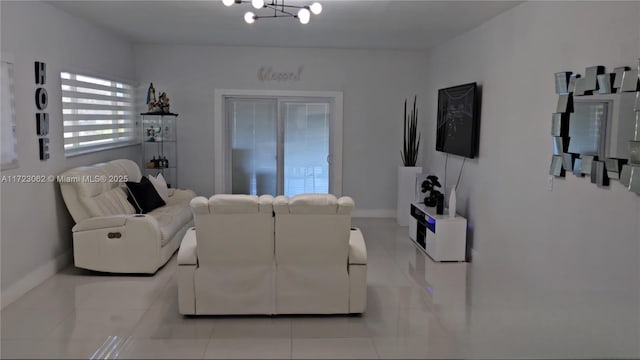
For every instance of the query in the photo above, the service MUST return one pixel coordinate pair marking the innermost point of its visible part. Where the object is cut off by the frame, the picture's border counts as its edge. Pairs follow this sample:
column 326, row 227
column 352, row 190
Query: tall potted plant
column 408, row 171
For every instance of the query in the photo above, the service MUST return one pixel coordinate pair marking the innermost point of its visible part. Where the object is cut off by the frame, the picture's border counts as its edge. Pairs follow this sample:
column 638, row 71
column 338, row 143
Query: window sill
column 81, row 152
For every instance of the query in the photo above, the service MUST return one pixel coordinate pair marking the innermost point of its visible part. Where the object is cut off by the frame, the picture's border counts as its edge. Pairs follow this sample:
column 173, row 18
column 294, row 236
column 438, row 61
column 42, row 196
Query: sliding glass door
column 254, row 127
column 306, row 147
column 279, row 145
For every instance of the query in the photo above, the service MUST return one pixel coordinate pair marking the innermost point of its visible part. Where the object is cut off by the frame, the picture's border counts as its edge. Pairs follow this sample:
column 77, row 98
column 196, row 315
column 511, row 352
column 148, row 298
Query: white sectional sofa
column 108, row 235
column 260, row 255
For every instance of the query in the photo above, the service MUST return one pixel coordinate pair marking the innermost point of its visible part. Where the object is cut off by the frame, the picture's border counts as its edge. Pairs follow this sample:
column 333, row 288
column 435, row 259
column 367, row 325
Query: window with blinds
column 8, row 121
column 97, row 114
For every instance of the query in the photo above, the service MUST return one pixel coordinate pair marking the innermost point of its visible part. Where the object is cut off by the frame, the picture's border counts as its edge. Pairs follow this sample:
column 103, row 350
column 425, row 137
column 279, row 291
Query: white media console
column 441, row 237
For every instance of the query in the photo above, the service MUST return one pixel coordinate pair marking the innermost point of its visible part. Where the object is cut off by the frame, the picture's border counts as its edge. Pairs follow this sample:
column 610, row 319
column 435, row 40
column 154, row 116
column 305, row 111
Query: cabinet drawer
column 416, row 213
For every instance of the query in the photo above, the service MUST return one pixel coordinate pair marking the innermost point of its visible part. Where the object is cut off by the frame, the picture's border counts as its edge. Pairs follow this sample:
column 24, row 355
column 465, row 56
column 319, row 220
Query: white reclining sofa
column 108, row 235
column 260, row 255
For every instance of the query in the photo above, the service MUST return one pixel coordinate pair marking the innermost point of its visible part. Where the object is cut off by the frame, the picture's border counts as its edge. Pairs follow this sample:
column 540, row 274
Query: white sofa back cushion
column 312, row 247
column 235, row 254
column 91, row 191
column 234, row 228
column 313, row 228
column 240, row 204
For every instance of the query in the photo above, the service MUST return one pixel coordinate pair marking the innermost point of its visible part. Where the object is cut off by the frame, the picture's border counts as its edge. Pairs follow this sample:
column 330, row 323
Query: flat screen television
column 458, row 120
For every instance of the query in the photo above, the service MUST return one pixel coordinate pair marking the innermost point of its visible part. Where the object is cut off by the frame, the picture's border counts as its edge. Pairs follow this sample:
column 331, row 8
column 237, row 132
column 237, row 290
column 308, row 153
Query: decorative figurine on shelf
column 151, row 99
column 152, row 133
column 152, row 164
column 164, row 102
column 430, row 186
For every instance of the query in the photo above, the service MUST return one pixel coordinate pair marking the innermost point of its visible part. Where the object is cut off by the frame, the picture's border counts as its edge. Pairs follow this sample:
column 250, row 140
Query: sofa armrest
column 199, row 205
column 101, row 222
column 134, row 226
column 188, row 254
column 357, row 248
column 345, row 205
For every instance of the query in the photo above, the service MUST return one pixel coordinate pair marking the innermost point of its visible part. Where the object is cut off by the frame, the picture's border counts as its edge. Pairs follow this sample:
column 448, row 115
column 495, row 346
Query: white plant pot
column 406, row 192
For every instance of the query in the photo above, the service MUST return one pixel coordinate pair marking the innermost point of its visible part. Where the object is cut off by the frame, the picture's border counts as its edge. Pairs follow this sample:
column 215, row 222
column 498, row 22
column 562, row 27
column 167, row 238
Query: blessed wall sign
column 266, row 73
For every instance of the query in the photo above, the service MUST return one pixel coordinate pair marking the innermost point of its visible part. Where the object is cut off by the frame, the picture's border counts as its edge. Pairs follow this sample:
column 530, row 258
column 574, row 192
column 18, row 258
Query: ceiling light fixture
column 279, row 10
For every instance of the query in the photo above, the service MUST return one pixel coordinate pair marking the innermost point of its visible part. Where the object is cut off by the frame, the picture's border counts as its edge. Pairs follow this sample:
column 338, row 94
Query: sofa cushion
column 143, row 196
column 313, row 204
column 181, row 196
column 160, row 184
column 234, row 204
column 172, row 217
column 109, row 202
column 86, row 199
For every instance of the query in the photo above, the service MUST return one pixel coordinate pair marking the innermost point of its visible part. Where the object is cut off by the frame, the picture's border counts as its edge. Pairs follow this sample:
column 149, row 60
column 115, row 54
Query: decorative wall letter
column 42, row 124
column 44, row 148
column 41, row 73
column 42, row 98
column 42, row 118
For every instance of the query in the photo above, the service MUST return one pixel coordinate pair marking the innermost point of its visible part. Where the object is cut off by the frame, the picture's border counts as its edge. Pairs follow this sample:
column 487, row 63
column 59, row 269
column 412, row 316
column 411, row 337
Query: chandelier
column 302, row 13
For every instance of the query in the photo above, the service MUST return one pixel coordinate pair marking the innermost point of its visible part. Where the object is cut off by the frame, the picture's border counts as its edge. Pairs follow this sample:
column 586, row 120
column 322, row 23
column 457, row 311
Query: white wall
column 579, row 245
column 374, row 85
column 36, row 227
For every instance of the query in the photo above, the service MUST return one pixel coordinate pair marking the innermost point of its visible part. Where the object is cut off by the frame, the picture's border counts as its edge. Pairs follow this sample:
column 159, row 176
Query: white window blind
column 8, row 121
column 97, row 113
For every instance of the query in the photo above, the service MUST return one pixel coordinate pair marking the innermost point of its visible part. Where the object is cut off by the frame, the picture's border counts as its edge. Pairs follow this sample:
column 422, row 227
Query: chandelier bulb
column 316, row 8
column 250, row 17
column 304, row 15
column 258, row 4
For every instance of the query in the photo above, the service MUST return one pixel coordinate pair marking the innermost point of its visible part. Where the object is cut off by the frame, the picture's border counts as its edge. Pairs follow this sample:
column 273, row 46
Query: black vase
column 432, row 199
column 440, row 205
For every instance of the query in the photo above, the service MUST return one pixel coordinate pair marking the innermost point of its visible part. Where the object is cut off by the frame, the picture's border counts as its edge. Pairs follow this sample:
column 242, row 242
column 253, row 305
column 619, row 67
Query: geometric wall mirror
column 599, row 174
column 634, row 179
column 625, row 175
column 596, row 125
column 577, row 167
column 634, row 152
column 556, row 168
column 614, row 167
column 568, row 161
column 587, row 164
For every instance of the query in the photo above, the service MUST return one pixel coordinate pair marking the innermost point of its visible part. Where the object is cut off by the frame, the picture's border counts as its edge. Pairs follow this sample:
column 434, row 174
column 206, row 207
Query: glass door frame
column 222, row 156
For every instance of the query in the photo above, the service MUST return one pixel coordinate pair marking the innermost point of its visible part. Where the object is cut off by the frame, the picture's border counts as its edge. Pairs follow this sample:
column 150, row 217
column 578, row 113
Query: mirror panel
column 596, row 125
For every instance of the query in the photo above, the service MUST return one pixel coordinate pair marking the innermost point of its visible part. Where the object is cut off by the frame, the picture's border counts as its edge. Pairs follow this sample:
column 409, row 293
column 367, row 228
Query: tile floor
column 416, row 309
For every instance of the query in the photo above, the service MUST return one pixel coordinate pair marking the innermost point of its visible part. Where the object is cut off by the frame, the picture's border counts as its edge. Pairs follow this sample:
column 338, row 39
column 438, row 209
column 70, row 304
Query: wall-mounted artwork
column 458, row 120
column 595, row 126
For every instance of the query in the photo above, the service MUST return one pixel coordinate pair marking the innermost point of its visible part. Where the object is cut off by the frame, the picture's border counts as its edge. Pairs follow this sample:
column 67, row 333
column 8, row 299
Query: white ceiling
column 343, row 23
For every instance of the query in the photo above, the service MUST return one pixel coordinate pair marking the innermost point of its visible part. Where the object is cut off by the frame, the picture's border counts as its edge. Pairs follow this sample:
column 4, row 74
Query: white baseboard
column 376, row 213
column 35, row 278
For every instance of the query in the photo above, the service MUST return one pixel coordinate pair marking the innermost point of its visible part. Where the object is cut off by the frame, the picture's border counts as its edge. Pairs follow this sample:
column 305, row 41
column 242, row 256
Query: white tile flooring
column 416, row 309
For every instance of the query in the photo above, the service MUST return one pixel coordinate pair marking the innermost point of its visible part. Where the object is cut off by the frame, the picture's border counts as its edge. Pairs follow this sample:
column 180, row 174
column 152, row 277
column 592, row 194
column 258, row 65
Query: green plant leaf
column 411, row 140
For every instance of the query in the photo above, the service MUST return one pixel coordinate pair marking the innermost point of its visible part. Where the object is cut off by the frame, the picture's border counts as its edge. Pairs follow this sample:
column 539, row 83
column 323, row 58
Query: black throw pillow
column 143, row 196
